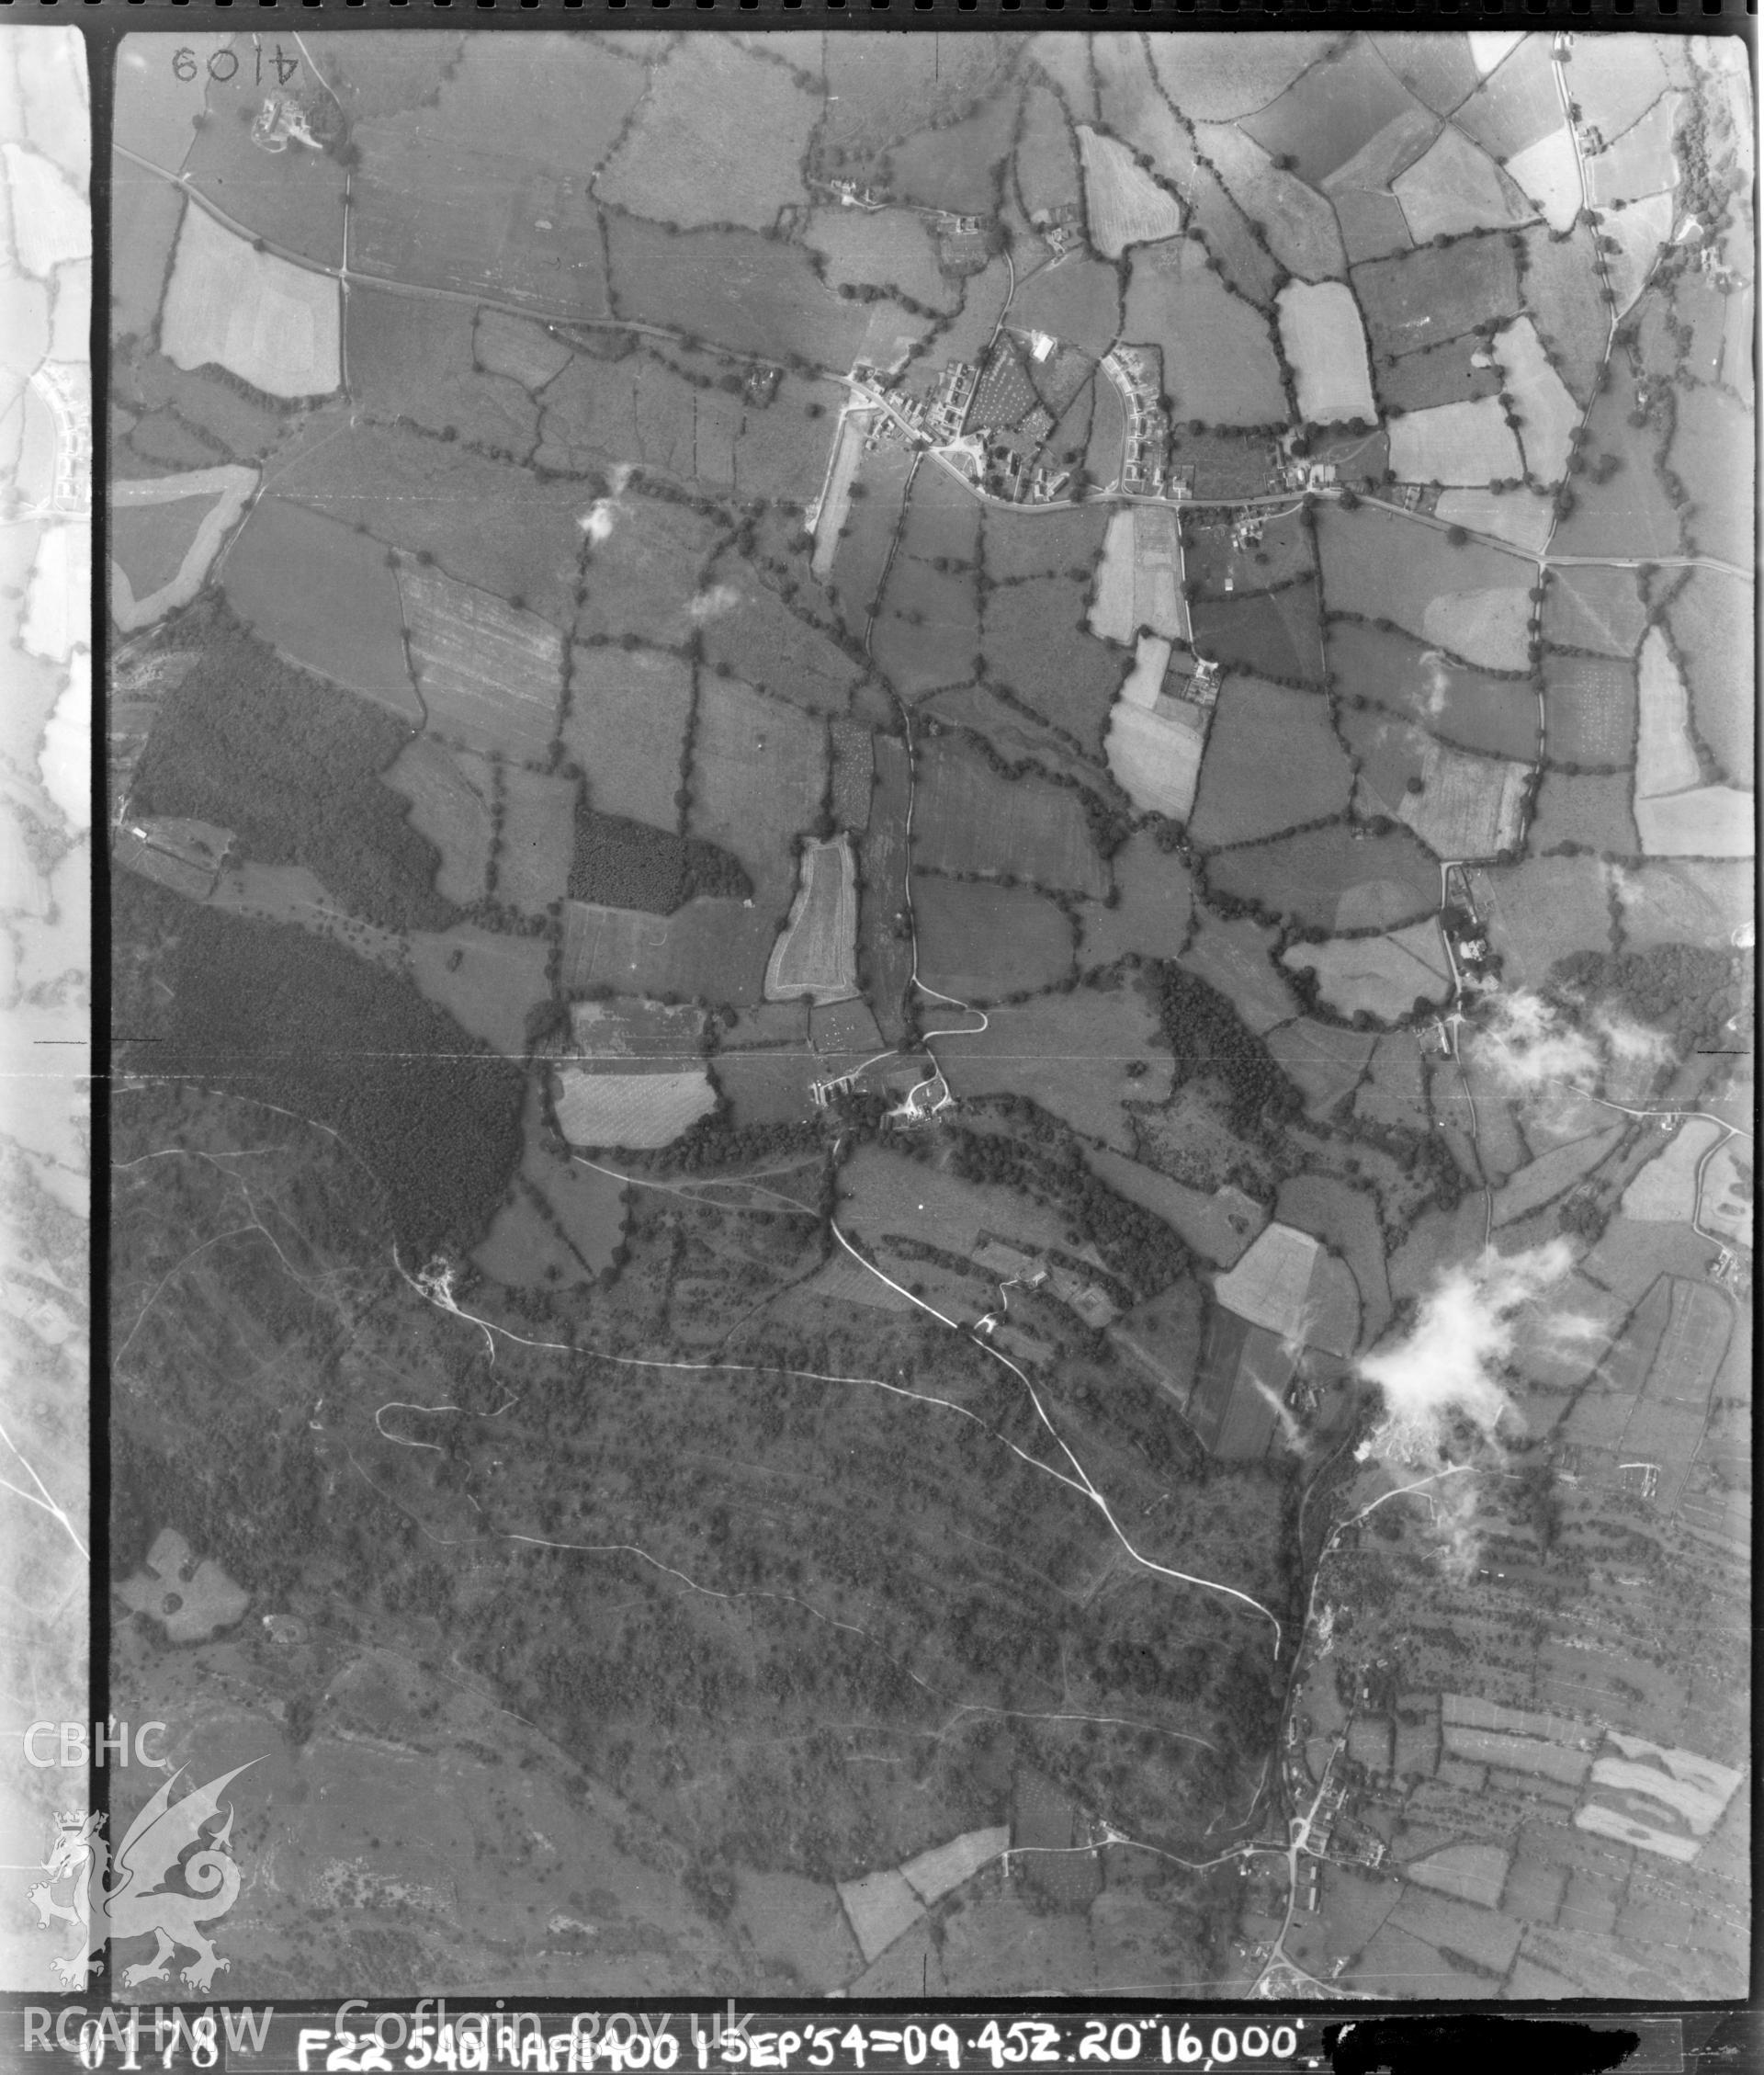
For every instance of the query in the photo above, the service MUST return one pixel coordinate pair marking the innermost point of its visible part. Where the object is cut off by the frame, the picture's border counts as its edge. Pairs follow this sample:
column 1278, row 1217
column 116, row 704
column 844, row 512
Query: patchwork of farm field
column 1117, row 669
column 967, row 818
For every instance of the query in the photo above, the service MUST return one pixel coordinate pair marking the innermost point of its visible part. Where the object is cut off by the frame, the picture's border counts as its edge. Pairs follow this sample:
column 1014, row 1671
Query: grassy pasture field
column 1468, row 806
column 780, row 447
column 417, row 358
column 1497, row 715
column 273, row 325
column 625, row 726
column 1059, row 542
column 1103, row 449
column 750, row 631
column 719, row 138
column 1453, row 188
column 1590, row 710
column 1233, row 957
column 538, row 839
column 1629, row 513
column 201, row 411
column 1436, row 293
column 486, row 983
column 490, row 676
column 1072, row 1054
column 714, row 949
column 432, row 209
column 759, row 768
column 1563, row 299
column 817, row 950
column 1522, row 517
column 293, row 198
column 1032, row 640
column 144, row 222
column 1385, row 975
column 1300, row 226
column 883, row 1193
column 1045, row 163
column 1714, row 822
column 867, row 537
column 968, row 819
column 768, row 1087
column 486, row 523
column 1455, row 443
column 1077, row 302
column 449, row 795
column 1600, row 609
column 884, row 940
column 1153, row 913
column 1123, row 203
column 323, row 595
column 1388, row 753
column 645, row 575
column 927, row 633
column 1470, row 600
column 888, row 248
column 1329, row 879
column 943, row 520
column 1323, row 337
column 1548, row 414
column 959, row 165
column 750, row 293
column 1373, row 224
column 1711, row 622
column 1326, row 1062
column 1714, row 440
column 977, row 941
column 1341, row 109
column 155, row 117
column 1668, row 902
column 1280, row 633
column 1244, row 792
column 150, row 543
column 1433, row 374
column 1219, row 362
column 157, row 444
column 1541, row 910
column 516, row 346
column 1592, row 810
column 1218, row 76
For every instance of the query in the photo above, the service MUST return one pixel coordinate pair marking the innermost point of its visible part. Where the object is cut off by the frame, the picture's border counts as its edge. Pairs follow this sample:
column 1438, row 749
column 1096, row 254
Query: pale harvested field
column 1381, row 974
column 1547, row 173
column 1155, row 754
column 274, row 325
column 817, row 952
column 1665, row 1192
column 719, row 139
column 1453, row 187
column 1140, row 581
column 1522, row 516
column 1320, row 329
column 228, row 488
column 1470, row 805
column 627, row 726
column 1455, row 444
column 1546, row 411
column 1666, row 760
column 1474, row 1873
column 1488, row 626
column 1714, row 822
column 630, row 1109
column 490, row 676
column 1125, row 205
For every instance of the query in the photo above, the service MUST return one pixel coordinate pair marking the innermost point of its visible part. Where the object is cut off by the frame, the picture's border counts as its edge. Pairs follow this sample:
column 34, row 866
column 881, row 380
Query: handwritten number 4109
column 223, row 65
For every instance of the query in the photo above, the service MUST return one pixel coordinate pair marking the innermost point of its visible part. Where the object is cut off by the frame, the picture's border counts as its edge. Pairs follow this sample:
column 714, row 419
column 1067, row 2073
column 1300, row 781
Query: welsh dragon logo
column 137, row 1903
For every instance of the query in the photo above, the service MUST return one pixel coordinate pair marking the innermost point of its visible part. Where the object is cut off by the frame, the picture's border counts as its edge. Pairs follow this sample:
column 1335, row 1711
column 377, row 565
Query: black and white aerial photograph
column 930, row 1162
